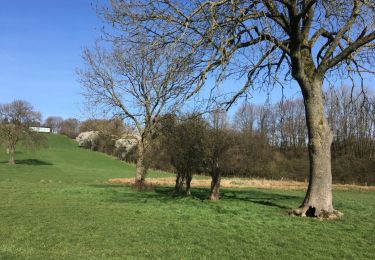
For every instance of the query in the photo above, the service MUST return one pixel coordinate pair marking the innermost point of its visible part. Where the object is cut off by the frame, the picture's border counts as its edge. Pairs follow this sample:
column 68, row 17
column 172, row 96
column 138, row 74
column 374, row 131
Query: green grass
column 56, row 204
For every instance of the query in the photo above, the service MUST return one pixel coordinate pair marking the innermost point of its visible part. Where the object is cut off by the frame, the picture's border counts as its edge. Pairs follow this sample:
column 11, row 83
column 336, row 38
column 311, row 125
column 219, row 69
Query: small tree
column 16, row 118
column 218, row 144
column 185, row 140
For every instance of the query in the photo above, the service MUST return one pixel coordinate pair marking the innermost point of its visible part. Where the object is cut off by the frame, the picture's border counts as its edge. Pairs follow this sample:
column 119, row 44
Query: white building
column 40, row 129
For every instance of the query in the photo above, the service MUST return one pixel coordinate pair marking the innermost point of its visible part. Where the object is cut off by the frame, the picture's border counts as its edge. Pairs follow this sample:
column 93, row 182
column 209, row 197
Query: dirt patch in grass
column 241, row 183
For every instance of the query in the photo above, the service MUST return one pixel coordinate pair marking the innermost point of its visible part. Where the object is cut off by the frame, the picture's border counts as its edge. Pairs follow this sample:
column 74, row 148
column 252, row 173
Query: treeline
column 266, row 141
column 351, row 117
column 270, row 141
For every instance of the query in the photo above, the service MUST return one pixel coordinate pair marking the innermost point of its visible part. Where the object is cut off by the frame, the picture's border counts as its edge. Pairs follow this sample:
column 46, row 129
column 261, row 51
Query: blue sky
column 40, row 47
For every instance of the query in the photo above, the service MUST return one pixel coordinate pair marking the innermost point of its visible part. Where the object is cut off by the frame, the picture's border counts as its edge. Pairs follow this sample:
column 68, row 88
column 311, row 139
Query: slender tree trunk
column 177, row 185
column 179, row 182
column 141, row 167
column 318, row 200
column 215, row 184
column 188, row 183
column 11, row 156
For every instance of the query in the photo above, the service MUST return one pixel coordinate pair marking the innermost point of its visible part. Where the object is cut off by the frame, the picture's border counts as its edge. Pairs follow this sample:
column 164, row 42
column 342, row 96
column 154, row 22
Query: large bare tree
column 308, row 40
column 139, row 83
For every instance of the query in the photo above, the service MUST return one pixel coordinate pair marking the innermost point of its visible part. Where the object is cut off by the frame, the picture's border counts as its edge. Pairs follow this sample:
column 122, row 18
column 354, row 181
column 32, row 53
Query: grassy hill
column 63, row 161
column 56, row 204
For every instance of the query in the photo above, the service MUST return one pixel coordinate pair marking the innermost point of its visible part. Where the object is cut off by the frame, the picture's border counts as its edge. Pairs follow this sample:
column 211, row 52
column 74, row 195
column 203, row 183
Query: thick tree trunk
column 215, row 184
column 318, row 200
column 141, row 168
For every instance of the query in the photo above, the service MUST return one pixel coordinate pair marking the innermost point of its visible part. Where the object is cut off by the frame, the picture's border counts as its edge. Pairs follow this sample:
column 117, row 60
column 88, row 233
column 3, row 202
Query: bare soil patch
column 241, row 183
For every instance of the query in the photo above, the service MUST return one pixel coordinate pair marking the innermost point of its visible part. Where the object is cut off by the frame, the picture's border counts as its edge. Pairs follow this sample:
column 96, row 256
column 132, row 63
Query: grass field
column 56, row 204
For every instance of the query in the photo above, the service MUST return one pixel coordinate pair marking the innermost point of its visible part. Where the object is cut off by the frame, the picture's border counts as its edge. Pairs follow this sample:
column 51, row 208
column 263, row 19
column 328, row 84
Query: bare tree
column 70, row 127
column 139, row 83
column 54, row 122
column 244, row 118
column 292, row 127
column 16, row 118
column 311, row 40
column 349, row 114
column 114, row 127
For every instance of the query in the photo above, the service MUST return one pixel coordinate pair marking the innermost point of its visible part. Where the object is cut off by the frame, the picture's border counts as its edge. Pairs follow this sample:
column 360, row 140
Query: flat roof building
column 41, row 129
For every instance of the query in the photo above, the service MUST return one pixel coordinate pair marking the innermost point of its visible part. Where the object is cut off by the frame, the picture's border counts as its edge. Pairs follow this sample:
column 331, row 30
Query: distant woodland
column 263, row 141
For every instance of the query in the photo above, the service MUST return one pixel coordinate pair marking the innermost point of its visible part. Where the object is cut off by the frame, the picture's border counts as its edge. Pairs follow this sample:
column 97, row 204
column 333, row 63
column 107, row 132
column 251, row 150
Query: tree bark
column 188, row 183
column 11, row 156
column 141, row 168
column 179, row 183
column 318, row 199
column 215, row 184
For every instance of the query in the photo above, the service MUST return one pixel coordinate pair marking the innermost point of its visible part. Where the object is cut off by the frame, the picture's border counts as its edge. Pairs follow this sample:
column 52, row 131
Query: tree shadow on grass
column 33, row 162
column 165, row 194
column 119, row 193
column 249, row 195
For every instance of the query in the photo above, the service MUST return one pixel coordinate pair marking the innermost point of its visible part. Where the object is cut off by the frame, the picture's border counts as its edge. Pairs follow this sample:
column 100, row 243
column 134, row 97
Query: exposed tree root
column 214, row 197
column 309, row 211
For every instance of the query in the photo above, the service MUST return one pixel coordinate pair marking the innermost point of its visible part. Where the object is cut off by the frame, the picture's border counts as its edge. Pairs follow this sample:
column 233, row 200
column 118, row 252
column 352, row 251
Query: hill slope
column 64, row 161
column 56, row 204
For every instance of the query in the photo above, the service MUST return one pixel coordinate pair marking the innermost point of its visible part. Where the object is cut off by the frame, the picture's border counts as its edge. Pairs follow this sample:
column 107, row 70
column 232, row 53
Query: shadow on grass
column 120, row 194
column 33, row 162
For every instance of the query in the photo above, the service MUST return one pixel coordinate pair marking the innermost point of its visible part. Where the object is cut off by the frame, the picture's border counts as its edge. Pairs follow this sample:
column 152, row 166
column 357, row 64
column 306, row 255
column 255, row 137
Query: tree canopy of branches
column 70, row 127
column 16, row 118
column 54, row 122
column 137, row 82
column 352, row 119
column 307, row 40
column 114, row 127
